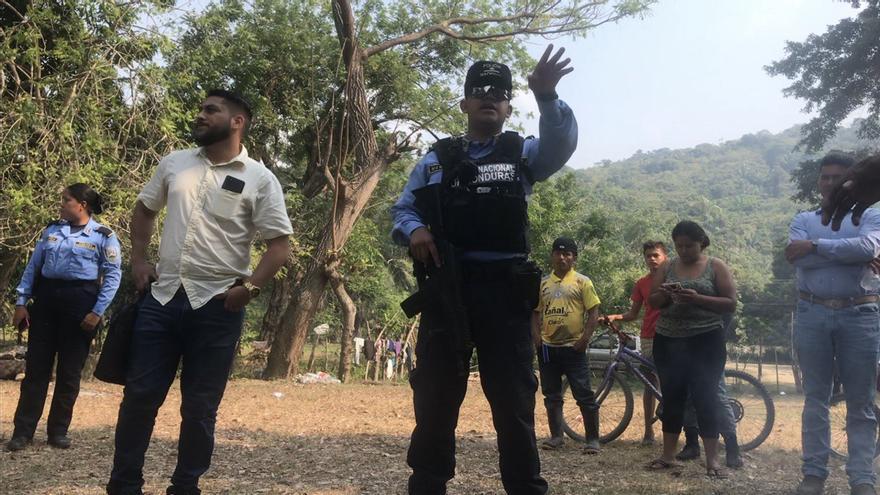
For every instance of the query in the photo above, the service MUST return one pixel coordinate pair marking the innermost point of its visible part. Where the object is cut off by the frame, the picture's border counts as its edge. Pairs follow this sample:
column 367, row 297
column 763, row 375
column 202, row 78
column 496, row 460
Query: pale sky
column 691, row 72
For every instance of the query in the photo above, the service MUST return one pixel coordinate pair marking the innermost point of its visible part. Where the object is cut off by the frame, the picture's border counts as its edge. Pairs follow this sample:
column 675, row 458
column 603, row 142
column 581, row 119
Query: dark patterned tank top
column 686, row 320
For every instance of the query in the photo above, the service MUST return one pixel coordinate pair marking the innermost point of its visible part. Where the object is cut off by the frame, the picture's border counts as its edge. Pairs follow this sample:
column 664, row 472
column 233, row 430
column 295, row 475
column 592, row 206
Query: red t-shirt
column 640, row 293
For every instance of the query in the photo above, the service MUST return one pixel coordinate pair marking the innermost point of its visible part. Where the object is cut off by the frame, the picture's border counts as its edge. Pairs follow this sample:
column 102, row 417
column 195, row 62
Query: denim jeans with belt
column 851, row 337
column 204, row 339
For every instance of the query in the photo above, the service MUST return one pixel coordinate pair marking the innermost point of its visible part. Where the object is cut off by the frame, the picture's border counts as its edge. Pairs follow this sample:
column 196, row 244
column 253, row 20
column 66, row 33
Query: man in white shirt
column 217, row 199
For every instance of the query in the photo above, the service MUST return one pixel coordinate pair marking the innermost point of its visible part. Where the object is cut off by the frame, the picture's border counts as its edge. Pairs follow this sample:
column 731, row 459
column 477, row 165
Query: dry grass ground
column 352, row 439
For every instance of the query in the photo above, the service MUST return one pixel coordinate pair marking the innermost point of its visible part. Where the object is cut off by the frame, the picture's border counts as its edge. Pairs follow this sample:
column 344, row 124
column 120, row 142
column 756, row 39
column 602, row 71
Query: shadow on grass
column 248, row 461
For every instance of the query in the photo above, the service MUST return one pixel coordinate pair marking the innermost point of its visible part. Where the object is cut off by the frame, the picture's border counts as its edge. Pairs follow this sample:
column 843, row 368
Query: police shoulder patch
column 104, row 230
column 434, row 168
column 111, row 253
column 48, row 229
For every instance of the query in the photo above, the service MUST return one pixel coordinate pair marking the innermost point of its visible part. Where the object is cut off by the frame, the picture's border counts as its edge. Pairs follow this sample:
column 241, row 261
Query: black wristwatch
column 546, row 96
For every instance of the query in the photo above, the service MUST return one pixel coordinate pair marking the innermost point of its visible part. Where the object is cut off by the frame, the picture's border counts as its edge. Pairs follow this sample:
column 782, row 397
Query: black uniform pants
column 500, row 330
column 59, row 308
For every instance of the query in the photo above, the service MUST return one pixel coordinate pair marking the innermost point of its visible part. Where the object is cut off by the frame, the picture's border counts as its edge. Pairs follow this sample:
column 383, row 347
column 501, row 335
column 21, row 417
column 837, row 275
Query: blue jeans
column 560, row 361
column 204, row 339
column 851, row 337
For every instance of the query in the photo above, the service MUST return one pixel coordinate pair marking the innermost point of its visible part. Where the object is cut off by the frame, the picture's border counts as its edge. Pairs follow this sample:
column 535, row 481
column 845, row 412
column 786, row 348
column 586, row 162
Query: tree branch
column 556, row 24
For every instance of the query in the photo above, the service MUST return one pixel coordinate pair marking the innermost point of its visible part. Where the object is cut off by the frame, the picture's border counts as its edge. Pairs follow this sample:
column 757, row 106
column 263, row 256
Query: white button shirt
column 210, row 224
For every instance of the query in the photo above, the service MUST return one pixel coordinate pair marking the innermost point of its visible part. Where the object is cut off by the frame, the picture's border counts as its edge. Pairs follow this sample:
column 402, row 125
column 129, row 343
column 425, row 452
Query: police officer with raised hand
column 468, row 196
column 72, row 276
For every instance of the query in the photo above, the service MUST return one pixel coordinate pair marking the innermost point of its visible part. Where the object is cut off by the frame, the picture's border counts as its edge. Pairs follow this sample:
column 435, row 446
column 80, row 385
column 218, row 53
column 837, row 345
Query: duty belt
column 839, row 303
column 58, row 283
column 483, row 269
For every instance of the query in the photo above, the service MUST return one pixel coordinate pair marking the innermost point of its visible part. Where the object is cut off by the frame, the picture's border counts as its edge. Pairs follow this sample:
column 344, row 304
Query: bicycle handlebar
column 624, row 337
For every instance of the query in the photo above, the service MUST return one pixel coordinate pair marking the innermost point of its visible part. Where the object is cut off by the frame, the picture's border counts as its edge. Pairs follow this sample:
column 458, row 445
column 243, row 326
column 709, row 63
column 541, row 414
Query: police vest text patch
column 496, row 172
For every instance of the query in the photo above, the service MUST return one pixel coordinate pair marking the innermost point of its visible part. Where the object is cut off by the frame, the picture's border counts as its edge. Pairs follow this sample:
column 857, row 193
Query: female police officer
column 72, row 277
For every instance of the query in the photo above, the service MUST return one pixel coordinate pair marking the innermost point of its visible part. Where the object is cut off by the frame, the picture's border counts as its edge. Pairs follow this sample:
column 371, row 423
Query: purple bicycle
column 749, row 401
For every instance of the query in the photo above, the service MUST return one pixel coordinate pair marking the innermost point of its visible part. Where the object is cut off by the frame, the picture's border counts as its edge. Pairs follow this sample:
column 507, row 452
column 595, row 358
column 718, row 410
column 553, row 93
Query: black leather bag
column 113, row 361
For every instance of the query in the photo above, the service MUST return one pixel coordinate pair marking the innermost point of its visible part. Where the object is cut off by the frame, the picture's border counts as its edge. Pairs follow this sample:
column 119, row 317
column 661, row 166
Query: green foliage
column 73, row 110
column 80, row 103
column 739, row 191
column 836, row 73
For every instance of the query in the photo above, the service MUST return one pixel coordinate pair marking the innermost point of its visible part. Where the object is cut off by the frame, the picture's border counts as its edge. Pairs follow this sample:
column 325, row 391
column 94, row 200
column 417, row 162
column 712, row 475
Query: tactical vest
column 483, row 202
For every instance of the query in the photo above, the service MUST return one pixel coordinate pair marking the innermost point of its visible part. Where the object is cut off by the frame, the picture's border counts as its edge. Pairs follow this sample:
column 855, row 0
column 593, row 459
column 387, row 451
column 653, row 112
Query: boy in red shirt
column 655, row 254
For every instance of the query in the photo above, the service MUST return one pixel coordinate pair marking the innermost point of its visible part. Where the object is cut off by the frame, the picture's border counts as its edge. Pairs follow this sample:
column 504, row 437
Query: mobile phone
column 672, row 286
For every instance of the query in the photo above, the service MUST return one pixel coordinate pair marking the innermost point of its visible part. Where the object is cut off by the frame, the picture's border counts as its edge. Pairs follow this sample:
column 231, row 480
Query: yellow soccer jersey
column 564, row 305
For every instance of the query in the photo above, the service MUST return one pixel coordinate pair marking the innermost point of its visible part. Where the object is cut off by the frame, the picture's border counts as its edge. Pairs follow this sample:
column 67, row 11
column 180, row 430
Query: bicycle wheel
column 837, row 418
column 752, row 406
column 615, row 407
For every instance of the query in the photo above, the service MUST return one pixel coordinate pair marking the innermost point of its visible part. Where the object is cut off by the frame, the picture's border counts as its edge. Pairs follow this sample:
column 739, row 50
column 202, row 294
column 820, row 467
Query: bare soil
column 284, row 438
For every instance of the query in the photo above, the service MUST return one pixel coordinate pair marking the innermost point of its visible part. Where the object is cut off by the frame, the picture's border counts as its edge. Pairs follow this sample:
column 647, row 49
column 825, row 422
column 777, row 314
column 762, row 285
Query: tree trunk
column 351, row 199
column 404, row 344
column 311, row 364
column 278, row 301
column 349, row 312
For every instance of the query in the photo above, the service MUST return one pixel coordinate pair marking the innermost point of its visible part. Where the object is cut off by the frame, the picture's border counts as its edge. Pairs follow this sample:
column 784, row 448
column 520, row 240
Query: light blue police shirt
column 79, row 255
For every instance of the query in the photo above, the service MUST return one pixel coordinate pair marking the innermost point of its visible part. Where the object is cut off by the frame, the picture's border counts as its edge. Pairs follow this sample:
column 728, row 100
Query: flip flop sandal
column 661, row 465
column 717, row 474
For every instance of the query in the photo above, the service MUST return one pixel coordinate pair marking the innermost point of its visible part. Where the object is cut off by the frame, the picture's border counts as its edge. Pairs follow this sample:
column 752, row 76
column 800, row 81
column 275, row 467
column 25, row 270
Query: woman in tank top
column 692, row 291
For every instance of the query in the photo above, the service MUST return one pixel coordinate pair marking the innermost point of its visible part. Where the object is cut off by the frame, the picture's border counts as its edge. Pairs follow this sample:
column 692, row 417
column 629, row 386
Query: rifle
column 440, row 288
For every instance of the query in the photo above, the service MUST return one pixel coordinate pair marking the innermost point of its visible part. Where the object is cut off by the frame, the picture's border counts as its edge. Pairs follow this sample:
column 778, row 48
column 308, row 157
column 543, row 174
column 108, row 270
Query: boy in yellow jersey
column 562, row 325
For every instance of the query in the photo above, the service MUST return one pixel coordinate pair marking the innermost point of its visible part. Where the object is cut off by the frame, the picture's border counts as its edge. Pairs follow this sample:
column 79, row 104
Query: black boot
column 691, row 449
column 180, row 490
column 591, row 425
column 734, row 459
column 554, row 419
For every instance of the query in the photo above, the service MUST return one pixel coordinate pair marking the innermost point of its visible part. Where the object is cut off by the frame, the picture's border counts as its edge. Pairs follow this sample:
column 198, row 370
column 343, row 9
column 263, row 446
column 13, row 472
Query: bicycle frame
column 628, row 358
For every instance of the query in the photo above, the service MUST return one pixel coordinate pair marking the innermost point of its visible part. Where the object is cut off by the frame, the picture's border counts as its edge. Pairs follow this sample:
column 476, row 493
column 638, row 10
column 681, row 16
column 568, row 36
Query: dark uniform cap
column 565, row 244
column 486, row 73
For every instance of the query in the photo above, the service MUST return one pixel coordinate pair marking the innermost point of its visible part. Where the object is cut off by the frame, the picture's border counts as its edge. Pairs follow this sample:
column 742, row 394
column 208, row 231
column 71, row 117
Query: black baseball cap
column 487, row 73
column 565, row 244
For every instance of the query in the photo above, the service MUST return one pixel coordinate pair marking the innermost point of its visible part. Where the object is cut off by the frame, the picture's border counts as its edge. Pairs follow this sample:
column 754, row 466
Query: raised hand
column 858, row 189
column 548, row 71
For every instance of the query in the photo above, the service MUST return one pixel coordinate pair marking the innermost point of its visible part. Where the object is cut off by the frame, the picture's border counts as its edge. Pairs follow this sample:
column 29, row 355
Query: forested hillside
column 740, row 191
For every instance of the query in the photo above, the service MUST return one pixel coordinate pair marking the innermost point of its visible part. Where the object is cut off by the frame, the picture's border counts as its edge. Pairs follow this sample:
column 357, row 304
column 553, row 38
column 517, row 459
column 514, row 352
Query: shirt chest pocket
column 224, row 203
column 52, row 245
column 85, row 251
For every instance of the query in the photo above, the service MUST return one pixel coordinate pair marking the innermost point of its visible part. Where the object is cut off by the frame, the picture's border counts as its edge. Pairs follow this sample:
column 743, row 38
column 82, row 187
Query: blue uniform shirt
column 545, row 156
column 82, row 255
column 835, row 270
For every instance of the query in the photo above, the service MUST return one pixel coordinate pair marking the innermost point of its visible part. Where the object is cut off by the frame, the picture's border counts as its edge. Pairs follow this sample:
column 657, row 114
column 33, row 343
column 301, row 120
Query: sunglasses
column 490, row 92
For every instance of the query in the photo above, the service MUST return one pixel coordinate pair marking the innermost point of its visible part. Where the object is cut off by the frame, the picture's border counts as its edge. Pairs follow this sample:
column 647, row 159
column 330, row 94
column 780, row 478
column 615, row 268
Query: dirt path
column 281, row 438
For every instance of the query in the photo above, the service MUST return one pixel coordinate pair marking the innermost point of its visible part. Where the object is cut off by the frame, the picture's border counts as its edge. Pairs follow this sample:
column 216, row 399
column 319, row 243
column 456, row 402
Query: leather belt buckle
column 837, row 303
